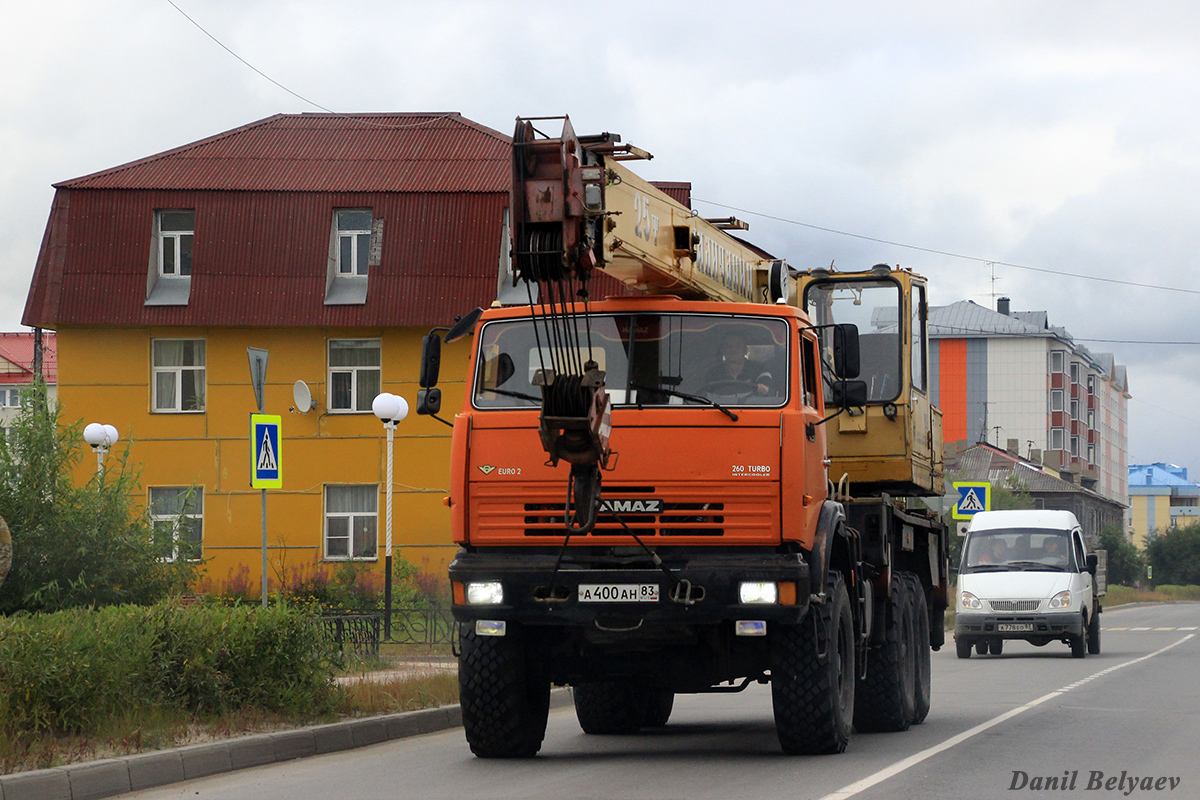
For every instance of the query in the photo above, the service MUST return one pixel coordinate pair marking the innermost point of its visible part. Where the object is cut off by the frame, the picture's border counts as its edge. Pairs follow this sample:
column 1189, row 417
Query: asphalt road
column 1001, row 727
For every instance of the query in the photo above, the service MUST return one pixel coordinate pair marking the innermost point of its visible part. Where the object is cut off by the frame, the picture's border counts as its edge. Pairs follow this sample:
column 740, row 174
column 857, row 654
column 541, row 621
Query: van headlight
column 1061, row 600
column 970, row 601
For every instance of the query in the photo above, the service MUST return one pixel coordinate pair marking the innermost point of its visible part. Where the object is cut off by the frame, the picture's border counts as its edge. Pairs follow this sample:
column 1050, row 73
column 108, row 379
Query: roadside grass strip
column 900, row 766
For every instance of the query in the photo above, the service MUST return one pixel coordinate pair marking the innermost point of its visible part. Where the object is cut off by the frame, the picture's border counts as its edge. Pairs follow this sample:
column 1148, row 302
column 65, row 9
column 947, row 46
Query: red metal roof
column 17, row 350
column 327, row 153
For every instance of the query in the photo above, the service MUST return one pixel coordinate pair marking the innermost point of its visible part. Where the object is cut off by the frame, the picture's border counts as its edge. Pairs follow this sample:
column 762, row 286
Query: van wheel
column 1094, row 635
column 1079, row 644
column 981, row 647
column 996, row 646
column 887, row 696
column 963, row 647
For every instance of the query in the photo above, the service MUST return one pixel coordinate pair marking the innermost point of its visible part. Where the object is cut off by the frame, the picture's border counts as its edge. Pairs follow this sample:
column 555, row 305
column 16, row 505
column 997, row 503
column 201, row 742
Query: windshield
column 1017, row 549
column 874, row 307
column 649, row 360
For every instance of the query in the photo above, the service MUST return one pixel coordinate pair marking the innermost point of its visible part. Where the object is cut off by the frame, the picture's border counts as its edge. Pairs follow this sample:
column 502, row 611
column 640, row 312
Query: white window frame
column 1075, row 409
column 1058, row 438
column 10, row 398
column 361, row 394
column 1056, row 400
column 178, row 371
column 175, row 517
column 1059, row 356
column 1075, row 372
column 1075, row 445
column 368, row 518
column 358, row 240
column 175, row 242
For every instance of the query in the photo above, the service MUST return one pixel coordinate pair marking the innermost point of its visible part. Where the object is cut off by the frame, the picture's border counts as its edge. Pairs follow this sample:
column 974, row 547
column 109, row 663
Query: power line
column 1046, row 334
column 298, row 96
column 948, row 253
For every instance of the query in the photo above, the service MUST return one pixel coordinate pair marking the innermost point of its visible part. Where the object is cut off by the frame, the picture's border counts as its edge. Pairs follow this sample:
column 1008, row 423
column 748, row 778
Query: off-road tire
column 505, row 700
column 812, row 676
column 1093, row 646
column 610, row 708
column 887, row 695
column 963, row 647
column 924, row 668
column 659, row 703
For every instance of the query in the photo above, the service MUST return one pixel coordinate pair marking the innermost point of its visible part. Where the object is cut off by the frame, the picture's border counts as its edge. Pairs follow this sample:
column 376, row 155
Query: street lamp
column 100, row 437
column 391, row 408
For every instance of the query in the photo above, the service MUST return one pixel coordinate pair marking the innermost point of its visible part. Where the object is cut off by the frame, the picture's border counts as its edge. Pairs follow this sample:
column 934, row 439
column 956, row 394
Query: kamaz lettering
column 642, row 506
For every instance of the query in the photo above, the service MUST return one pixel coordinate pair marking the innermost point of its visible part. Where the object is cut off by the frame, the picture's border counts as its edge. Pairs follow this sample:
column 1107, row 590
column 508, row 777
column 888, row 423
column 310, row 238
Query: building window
column 10, row 398
column 178, row 375
column 1074, row 372
column 353, row 374
column 176, row 229
column 1056, row 399
column 177, row 514
column 1091, row 384
column 1074, row 409
column 351, row 522
column 353, row 241
column 1074, row 445
column 1091, row 454
column 1056, row 360
column 1057, row 438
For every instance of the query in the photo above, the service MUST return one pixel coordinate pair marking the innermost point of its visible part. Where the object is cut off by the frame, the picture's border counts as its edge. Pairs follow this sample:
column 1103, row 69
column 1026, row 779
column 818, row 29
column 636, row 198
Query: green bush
column 69, row 671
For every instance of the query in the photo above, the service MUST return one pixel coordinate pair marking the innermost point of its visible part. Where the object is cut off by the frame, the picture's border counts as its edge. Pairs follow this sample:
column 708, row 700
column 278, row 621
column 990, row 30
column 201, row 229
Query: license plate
column 618, row 592
column 1014, row 627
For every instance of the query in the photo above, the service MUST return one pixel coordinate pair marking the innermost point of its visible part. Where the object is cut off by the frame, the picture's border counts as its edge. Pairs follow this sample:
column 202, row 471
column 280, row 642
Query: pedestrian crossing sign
column 973, row 497
column 266, row 467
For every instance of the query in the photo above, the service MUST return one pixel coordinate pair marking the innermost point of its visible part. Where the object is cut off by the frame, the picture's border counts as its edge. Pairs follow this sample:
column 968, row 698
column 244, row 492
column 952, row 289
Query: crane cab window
column 874, row 306
column 674, row 360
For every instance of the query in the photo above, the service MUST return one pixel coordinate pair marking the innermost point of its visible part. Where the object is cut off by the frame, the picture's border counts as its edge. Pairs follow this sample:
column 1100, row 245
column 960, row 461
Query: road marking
column 1190, row 628
column 1116, row 629
column 1139, row 629
column 895, row 769
column 1164, row 629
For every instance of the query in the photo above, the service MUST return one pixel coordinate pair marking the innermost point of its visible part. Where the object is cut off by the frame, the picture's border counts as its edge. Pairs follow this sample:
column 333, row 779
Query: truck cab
column 1030, row 575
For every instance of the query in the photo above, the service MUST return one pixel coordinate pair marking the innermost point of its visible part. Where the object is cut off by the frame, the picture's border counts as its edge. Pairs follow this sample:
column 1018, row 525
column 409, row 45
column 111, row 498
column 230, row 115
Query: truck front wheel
column 812, row 676
column 505, row 698
column 887, row 695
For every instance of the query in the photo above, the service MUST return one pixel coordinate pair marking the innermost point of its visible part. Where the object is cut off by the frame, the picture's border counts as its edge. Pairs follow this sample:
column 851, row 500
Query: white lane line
column 895, row 769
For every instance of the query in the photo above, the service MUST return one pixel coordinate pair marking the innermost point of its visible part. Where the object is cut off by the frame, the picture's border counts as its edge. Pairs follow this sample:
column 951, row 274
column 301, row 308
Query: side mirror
column 429, row 401
column 1093, row 562
column 845, row 350
column 463, row 326
column 848, row 394
column 431, row 360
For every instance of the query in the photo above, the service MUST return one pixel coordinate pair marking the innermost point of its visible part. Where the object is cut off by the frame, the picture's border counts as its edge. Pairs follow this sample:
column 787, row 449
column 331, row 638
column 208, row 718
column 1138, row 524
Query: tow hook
column 686, row 594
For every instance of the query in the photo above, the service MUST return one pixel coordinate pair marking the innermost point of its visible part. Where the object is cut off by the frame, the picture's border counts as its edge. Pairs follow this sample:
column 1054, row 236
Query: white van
column 1026, row 575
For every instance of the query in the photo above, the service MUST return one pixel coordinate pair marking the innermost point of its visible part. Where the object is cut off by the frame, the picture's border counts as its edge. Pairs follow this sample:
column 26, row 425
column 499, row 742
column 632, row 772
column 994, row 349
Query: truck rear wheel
column 611, row 707
column 658, row 707
column 505, row 699
column 887, row 695
column 924, row 668
column 812, row 676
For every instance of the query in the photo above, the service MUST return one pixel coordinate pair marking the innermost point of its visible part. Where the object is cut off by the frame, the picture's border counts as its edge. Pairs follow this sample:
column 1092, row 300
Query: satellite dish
column 302, row 397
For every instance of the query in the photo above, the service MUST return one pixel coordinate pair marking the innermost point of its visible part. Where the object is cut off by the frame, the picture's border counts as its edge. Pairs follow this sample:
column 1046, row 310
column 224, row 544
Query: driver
column 736, row 366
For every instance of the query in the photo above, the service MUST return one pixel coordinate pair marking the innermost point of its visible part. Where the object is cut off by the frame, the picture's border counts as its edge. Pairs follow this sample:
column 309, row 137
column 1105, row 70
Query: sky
column 1047, row 152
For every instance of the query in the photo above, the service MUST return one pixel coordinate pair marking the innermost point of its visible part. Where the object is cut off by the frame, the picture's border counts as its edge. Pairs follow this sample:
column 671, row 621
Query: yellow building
column 1160, row 498
column 334, row 242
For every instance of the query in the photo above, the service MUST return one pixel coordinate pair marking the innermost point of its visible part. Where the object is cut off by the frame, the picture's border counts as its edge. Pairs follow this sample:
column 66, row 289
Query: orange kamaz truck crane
column 708, row 485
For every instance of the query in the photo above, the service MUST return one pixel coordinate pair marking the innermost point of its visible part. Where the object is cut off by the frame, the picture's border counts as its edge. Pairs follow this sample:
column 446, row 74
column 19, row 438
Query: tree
column 1125, row 564
column 75, row 545
column 1175, row 556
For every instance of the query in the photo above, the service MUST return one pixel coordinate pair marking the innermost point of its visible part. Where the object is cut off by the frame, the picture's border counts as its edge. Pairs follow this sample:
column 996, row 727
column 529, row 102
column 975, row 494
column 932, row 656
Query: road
column 1001, row 726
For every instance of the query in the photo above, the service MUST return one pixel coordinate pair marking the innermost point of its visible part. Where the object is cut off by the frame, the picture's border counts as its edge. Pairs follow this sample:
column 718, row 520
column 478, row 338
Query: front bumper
column 530, row 598
column 1043, row 625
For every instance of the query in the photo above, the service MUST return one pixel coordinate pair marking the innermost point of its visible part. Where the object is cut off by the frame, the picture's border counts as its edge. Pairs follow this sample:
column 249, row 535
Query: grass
column 146, row 728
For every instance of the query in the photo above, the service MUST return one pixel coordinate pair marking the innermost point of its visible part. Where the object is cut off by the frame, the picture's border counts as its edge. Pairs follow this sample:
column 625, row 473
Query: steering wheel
column 729, row 387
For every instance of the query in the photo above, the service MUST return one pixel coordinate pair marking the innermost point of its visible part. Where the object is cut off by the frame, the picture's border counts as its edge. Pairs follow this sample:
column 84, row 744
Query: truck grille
column 711, row 510
column 1014, row 605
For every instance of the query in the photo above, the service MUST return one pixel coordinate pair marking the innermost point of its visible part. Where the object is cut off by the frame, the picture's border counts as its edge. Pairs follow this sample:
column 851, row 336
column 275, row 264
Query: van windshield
column 1007, row 549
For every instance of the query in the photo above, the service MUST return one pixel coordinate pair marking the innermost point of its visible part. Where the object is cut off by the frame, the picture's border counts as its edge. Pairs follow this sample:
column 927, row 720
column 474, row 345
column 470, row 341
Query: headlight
column 968, row 600
column 488, row 593
column 1061, row 600
column 749, row 592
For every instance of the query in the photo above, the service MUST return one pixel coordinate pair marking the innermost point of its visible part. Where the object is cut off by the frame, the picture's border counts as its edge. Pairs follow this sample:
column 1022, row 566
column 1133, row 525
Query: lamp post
column 100, row 437
column 391, row 408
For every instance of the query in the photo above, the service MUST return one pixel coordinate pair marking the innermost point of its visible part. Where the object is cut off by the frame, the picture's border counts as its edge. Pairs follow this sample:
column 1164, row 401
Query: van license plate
column 618, row 592
column 1014, row 627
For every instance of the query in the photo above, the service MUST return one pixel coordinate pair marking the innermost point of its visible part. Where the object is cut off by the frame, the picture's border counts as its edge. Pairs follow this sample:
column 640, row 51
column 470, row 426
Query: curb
column 91, row 780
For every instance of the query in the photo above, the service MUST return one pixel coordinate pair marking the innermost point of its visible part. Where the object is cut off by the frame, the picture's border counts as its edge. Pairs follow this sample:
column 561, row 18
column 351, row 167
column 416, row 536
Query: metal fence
column 361, row 632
